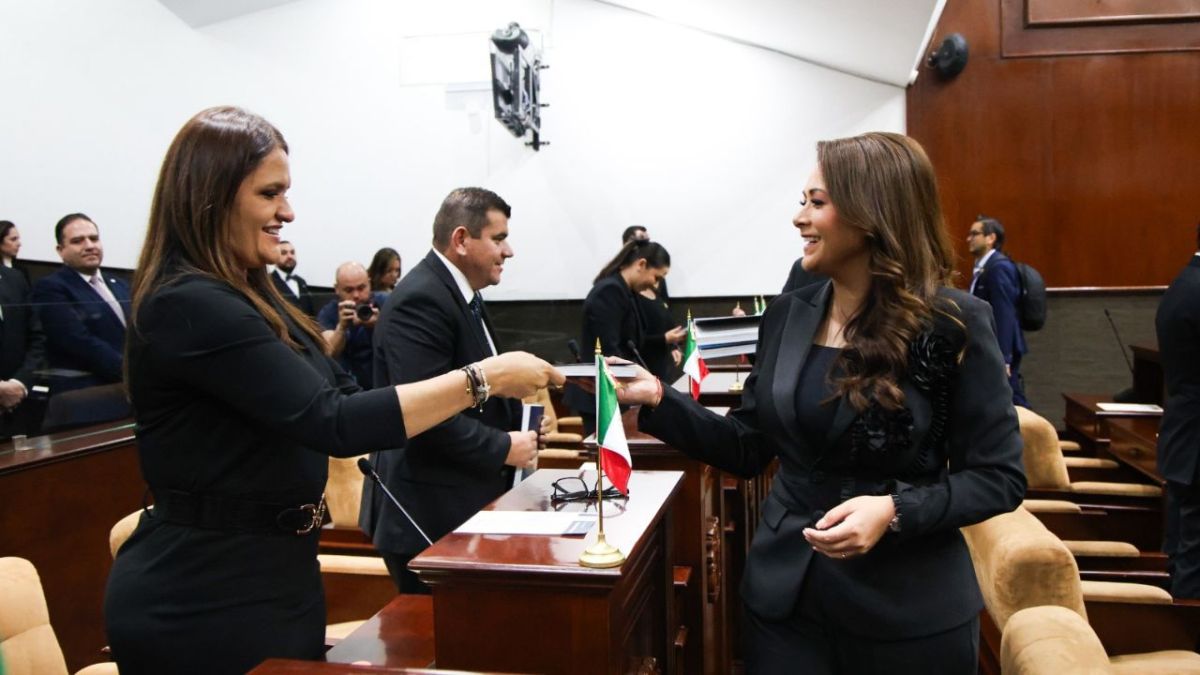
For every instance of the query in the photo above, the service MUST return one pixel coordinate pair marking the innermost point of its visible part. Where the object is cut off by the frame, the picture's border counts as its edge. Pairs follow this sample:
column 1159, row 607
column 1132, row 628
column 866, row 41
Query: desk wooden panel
column 399, row 636
column 60, row 503
column 289, row 667
column 1133, row 441
column 524, row 604
column 1084, row 419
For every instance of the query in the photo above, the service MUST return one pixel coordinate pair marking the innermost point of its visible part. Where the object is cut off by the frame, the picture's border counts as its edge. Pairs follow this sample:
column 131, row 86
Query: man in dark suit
column 1178, row 327
column 995, row 280
column 432, row 323
column 22, row 351
column 290, row 285
column 82, row 310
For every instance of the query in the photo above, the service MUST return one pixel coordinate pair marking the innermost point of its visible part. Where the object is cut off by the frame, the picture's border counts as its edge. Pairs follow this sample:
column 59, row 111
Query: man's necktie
column 103, row 291
column 476, row 306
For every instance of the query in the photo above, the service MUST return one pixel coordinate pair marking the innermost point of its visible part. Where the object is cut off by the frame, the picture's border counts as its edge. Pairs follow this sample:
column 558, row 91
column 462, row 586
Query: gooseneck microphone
column 369, row 471
column 1120, row 342
column 574, row 347
column 636, row 354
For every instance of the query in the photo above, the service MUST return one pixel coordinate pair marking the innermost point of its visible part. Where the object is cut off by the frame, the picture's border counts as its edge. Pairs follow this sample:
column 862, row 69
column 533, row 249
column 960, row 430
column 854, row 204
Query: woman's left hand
column 851, row 528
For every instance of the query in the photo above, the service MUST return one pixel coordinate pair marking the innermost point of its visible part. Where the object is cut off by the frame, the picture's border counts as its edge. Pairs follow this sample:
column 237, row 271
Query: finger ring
column 843, row 556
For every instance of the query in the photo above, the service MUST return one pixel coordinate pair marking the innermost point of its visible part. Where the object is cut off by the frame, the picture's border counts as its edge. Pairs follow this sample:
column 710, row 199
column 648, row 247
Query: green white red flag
column 693, row 365
column 614, row 449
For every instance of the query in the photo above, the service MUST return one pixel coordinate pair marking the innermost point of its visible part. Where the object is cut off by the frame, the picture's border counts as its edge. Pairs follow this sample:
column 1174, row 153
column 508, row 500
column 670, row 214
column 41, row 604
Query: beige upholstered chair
column 1046, row 470
column 1051, row 640
column 28, row 645
column 122, row 530
column 343, row 491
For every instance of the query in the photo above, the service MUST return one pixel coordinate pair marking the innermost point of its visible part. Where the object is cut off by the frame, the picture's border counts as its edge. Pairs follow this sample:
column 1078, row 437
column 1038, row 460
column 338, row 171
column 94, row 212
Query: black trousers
column 813, row 643
column 1017, row 382
column 1182, row 540
column 405, row 579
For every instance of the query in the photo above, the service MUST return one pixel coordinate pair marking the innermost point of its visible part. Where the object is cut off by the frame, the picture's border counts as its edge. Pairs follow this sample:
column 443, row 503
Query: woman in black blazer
column 238, row 409
column 882, row 393
column 611, row 311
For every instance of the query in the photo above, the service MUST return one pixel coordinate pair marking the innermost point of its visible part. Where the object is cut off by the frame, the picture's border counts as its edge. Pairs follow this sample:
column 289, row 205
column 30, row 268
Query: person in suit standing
column 883, row 395
column 291, row 286
column 1178, row 326
column 435, row 321
column 238, row 409
column 82, row 310
column 661, row 333
column 995, row 280
column 22, row 351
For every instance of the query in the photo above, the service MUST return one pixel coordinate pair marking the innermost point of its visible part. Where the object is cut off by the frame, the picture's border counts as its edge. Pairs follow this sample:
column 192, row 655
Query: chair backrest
column 1019, row 564
column 122, row 530
column 1050, row 640
column 343, row 491
column 1044, row 466
column 28, row 645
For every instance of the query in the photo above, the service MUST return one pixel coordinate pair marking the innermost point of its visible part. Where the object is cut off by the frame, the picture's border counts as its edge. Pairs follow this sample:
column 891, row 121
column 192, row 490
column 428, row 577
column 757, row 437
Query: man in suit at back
column 1178, row 326
column 22, row 351
column 82, row 310
column 290, row 285
column 434, row 322
column 995, row 280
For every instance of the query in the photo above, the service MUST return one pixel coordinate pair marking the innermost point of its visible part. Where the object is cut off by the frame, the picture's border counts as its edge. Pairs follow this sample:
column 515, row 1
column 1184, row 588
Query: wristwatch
column 894, row 524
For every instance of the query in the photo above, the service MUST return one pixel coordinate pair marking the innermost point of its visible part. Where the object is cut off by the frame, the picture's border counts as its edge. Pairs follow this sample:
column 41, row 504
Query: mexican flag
column 693, row 365
column 614, row 450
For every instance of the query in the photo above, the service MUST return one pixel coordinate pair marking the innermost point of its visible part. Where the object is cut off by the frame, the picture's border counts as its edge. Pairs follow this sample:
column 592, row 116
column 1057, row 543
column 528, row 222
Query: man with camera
column 349, row 321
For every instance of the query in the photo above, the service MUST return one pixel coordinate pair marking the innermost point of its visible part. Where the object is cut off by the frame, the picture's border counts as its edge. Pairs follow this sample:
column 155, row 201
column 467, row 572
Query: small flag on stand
column 693, row 365
column 614, row 449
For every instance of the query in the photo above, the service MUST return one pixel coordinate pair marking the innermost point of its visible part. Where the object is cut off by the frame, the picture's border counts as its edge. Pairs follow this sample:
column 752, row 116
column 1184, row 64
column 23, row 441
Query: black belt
column 215, row 512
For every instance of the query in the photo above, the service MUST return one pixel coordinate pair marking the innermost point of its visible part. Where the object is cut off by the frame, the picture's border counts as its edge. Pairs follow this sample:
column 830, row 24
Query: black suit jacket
column 918, row 581
column 611, row 313
column 304, row 301
column 798, row 277
column 446, row 474
column 82, row 333
column 22, row 342
column 1000, row 286
column 1178, row 325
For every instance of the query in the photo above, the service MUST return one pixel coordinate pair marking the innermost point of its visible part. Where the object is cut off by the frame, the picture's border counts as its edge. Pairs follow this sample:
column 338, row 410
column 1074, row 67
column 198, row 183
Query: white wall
column 705, row 141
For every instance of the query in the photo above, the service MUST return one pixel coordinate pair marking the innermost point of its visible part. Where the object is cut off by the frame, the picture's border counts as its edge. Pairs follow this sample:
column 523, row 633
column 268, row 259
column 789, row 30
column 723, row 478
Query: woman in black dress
column 883, row 395
column 237, row 411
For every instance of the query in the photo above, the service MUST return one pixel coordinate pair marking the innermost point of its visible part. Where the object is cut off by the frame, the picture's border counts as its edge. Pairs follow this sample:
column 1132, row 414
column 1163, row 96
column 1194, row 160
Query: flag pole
column 600, row 554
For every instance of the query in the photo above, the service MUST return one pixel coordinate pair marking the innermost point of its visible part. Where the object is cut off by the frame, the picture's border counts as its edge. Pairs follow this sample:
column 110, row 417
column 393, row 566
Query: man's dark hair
column 466, row 207
column 67, row 220
column 631, row 232
column 992, row 226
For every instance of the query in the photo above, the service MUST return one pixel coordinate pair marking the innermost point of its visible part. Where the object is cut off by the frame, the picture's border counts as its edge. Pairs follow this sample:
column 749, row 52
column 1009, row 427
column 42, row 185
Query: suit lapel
column 799, row 331
column 468, row 318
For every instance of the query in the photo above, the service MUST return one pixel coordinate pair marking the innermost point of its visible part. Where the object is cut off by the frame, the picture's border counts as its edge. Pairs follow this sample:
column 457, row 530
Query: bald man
column 349, row 321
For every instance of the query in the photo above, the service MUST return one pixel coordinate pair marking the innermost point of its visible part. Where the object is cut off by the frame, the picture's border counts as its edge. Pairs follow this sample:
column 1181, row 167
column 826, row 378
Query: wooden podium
column 522, row 603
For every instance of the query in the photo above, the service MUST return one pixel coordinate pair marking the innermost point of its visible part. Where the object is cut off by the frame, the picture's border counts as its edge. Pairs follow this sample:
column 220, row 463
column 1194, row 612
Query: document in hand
column 531, row 420
column 726, row 335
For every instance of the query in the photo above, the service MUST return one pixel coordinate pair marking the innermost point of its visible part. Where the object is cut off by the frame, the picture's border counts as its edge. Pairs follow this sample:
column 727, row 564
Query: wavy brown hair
column 883, row 184
column 189, row 228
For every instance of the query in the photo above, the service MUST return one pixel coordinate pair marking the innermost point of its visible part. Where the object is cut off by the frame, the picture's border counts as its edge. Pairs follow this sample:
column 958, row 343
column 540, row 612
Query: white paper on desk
column 1131, row 408
column 559, row 523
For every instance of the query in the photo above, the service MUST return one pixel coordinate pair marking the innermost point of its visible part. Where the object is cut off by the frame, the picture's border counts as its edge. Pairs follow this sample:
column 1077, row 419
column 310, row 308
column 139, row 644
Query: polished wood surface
column 1133, row 441
column 399, row 636
column 1084, row 419
column 1072, row 27
column 1059, row 149
column 60, row 501
column 525, row 604
column 289, row 667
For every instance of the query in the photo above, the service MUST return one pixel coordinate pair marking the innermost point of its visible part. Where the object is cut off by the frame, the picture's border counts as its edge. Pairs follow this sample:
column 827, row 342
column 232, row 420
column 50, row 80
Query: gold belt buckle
column 317, row 512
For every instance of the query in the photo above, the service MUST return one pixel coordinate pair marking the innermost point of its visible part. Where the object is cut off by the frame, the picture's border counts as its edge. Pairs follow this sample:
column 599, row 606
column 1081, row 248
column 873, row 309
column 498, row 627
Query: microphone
column 633, row 348
column 574, row 347
column 1120, row 342
column 365, row 467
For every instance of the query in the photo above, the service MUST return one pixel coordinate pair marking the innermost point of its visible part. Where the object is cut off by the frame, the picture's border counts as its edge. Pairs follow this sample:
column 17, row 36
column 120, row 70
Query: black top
column 814, row 403
column 611, row 315
column 225, row 409
column 656, row 318
column 1177, row 323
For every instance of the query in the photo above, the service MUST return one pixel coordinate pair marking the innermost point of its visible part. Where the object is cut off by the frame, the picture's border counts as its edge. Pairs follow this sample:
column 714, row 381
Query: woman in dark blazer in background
column 238, row 410
column 883, row 395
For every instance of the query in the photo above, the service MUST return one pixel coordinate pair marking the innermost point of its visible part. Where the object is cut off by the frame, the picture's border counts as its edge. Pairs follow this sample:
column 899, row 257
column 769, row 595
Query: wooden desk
column 1084, row 419
column 1133, row 441
column 60, row 501
column 714, row 391
column 1148, row 381
column 289, row 667
column 524, row 604
column 399, row 636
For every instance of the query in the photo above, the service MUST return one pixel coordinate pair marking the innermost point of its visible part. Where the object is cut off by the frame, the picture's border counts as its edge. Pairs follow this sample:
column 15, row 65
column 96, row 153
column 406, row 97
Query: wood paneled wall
column 1091, row 161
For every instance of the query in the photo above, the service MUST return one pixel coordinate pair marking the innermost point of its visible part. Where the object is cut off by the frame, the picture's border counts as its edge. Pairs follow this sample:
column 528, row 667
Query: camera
column 364, row 312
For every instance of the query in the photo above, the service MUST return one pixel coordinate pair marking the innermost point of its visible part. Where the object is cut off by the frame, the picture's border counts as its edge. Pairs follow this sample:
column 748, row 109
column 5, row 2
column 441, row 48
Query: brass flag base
column 736, row 387
column 601, row 554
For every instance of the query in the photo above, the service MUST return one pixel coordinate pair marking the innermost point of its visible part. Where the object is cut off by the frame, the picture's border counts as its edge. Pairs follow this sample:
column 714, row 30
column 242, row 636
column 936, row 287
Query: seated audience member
column 348, row 321
column 662, row 335
column 22, row 344
column 384, row 270
column 82, row 310
column 291, row 286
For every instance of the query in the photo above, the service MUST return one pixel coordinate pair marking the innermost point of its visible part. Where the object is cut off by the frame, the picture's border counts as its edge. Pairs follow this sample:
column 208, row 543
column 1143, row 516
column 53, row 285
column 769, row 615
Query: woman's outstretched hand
column 851, row 528
column 519, row 374
column 643, row 389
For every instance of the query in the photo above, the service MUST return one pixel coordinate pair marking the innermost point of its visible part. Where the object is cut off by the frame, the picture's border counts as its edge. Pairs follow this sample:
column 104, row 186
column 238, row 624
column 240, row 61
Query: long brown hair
column 189, row 228
column 883, row 184
column 653, row 253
